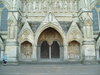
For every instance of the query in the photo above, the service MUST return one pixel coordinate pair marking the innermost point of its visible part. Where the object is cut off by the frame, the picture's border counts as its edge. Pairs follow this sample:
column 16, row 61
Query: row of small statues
column 72, row 6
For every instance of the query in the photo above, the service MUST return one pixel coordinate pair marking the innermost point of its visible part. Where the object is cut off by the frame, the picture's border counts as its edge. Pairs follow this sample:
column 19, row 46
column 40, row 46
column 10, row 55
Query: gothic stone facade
column 48, row 31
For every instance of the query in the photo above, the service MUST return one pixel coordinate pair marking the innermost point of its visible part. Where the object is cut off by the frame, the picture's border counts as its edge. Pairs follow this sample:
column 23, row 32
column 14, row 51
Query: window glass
column 95, row 20
column 1, row 5
column 4, row 19
column 98, row 6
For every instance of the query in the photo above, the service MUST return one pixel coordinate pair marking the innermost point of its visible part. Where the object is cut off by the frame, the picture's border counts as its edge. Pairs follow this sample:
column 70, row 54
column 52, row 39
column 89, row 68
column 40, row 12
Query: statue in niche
column 60, row 3
column 33, row 5
column 29, row 8
column 86, row 4
column 37, row 5
column 65, row 5
column 55, row 5
column 71, row 6
column 25, row 6
column 45, row 5
column 14, row 3
column 40, row 5
column 75, row 6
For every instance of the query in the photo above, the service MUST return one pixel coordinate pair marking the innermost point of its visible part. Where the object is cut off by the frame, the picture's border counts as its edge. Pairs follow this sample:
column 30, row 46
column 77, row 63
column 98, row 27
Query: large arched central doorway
column 50, row 43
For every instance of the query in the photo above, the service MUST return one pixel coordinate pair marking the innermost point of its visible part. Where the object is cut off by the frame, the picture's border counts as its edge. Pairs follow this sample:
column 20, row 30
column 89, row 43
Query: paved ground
column 50, row 69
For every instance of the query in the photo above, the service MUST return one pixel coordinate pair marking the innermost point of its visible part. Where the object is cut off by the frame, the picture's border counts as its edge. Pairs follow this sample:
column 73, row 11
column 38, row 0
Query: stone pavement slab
column 50, row 69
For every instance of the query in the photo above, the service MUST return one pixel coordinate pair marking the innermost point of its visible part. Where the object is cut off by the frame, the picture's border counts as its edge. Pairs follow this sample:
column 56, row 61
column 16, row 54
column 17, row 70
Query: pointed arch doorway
column 50, row 45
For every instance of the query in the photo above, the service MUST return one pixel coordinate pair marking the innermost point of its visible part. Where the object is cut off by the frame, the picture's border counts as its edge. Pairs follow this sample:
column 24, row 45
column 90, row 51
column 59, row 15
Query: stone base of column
column 89, row 52
column 90, row 60
column 11, row 51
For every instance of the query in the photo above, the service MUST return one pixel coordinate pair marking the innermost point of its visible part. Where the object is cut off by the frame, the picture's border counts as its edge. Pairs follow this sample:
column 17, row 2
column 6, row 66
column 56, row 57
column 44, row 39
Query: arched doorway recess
column 26, row 50
column 74, row 50
column 50, row 45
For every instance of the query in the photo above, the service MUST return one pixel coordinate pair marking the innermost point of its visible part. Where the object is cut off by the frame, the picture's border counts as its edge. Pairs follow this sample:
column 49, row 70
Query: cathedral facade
column 50, row 31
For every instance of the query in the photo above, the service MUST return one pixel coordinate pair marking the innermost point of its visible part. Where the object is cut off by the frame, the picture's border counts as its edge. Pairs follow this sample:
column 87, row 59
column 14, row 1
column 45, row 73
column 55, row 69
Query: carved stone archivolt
column 50, row 21
column 50, row 35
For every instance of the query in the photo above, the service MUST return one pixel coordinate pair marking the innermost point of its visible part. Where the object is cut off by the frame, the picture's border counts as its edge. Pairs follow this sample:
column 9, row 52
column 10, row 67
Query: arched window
column 95, row 20
column 3, row 18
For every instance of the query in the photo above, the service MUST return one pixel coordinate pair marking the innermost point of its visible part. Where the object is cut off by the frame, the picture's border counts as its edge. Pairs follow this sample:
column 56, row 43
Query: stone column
column 11, row 47
column 11, row 42
column 0, row 33
column 88, row 43
column 1, row 51
column 61, row 52
column 35, row 50
column 1, row 42
column 65, row 53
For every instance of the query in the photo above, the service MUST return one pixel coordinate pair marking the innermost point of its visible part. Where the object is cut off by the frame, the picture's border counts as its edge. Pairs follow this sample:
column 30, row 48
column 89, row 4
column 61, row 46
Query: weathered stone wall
column 70, row 20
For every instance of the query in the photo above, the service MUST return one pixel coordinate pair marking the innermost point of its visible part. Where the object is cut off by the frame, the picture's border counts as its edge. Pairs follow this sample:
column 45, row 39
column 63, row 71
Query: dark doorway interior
column 44, row 50
column 55, row 51
column 49, row 46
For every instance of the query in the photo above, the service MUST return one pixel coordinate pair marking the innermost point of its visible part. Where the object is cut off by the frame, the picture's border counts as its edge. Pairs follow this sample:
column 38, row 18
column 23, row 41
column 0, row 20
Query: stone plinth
column 89, row 56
